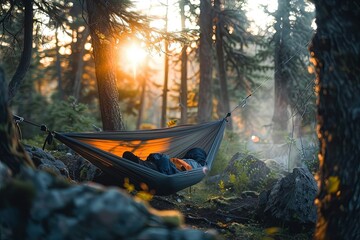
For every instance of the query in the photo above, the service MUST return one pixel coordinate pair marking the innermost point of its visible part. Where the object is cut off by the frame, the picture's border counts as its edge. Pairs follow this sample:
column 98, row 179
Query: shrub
column 70, row 116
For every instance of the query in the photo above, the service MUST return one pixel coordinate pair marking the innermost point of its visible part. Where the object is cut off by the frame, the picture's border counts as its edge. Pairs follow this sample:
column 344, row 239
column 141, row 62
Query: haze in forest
column 287, row 89
column 63, row 71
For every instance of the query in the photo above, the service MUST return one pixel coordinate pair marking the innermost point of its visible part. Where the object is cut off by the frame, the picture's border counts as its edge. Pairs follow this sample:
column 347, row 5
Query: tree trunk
column 165, row 87
column 336, row 49
column 80, row 64
column 205, row 87
column 11, row 151
column 281, row 116
column 142, row 101
column 224, row 96
column 26, row 52
column 58, row 66
column 103, row 47
column 166, row 75
column 184, row 57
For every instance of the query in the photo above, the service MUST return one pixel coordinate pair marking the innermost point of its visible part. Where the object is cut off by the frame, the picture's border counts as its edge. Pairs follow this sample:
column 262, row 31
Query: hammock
column 104, row 150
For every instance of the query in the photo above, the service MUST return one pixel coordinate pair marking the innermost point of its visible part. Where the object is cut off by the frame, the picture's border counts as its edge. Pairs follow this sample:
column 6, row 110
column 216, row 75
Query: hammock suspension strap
column 49, row 138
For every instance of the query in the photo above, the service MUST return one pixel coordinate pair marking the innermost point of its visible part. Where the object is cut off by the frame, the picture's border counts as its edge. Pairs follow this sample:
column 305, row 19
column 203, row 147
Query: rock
column 277, row 169
column 80, row 169
column 59, row 210
column 291, row 200
column 88, row 171
column 5, row 175
column 249, row 173
column 46, row 161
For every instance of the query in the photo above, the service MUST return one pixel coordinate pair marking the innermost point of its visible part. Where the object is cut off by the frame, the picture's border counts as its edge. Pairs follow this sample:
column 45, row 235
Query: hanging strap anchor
column 49, row 138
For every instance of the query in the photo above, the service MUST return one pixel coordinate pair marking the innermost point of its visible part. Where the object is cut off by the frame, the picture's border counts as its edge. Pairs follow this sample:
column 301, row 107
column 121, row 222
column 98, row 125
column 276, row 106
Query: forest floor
column 232, row 217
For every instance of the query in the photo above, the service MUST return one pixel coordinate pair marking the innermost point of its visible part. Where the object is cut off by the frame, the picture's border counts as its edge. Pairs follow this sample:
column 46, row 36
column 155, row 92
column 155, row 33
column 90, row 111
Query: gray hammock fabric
column 104, row 150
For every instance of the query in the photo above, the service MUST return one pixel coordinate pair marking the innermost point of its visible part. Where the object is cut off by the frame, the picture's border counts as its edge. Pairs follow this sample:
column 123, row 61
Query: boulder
column 39, row 205
column 80, row 169
column 256, row 169
column 249, row 172
column 290, row 201
column 46, row 161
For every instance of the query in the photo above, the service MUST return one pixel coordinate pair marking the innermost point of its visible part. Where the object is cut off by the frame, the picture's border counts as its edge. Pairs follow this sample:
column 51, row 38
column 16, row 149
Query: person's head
column 197, row 154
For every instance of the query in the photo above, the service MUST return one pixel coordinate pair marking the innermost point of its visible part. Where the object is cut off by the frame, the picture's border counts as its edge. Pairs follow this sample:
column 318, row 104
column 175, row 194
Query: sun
column 136, row 55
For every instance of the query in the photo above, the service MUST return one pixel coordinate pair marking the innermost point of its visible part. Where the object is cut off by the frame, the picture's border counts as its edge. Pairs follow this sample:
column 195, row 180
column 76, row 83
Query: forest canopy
column 124, row 65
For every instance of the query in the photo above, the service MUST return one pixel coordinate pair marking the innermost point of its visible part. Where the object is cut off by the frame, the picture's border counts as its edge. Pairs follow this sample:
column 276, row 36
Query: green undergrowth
column 207, row 196
column 230, row 145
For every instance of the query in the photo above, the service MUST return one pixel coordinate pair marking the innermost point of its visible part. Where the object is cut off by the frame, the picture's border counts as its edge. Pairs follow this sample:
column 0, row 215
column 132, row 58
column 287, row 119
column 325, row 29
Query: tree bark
column 184, row 60
column 281, row 116
column 103, row 47
column 224, row 96
column 165, row 87
column 58, row 67
column 336, row 49
column 12, row 152
column 142, row 101
column 80, row 64
column 25, row 58
column 205, row 86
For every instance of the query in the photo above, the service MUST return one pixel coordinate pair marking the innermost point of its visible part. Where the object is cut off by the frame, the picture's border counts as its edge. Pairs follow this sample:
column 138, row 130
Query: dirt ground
column 232, row 217
column 216, row 213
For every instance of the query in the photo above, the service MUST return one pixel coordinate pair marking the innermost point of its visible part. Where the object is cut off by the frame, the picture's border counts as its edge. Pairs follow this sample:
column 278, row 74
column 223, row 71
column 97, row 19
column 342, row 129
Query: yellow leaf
column 232, row 178
column 332, row 184
column 128, row 186
column 145, row 196
column 221, row 186
column 272, row 230
column 171, row 218
column 171, row 123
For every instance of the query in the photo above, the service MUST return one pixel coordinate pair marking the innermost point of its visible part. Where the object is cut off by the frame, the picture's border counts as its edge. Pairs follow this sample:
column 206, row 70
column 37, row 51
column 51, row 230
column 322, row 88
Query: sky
column 157, row 7
column 256, row 13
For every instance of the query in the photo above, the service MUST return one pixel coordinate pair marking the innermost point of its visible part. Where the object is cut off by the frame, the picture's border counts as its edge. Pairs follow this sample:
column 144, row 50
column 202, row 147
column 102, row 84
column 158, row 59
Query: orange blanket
column 181, row 164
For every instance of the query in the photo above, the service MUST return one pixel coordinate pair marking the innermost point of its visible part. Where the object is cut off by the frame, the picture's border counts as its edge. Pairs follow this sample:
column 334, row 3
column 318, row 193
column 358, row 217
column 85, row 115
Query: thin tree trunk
column 58, row 67
column 224, row 96
column 26, row 52
column 184, row 57
column 205, row 86
column 166, row 75
column 142, row 101
column 281, row 116
column 80, row 64
column 165, row 87
column 103, row 46
column 336, row 48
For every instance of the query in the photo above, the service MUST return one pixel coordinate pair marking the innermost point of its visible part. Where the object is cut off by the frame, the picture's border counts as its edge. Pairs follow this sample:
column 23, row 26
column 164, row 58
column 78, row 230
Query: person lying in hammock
column 194, row 158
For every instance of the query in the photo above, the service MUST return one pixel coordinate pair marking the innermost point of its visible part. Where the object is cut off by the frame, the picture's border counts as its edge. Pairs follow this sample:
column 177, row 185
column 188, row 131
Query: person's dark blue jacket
column 197, row 154
column 196, row 157
column 162, row 161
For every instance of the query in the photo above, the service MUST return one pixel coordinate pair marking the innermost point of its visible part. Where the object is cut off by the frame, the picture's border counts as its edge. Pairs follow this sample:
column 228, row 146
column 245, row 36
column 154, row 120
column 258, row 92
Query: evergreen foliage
column 69, row 116
column 293, row 34
column 246, row 59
